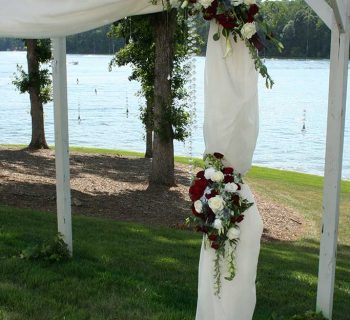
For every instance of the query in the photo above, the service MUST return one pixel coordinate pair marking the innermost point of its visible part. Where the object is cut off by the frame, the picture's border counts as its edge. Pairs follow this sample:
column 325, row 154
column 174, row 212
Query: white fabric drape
column 231, row 128
column 57, row 18
column 231, row 118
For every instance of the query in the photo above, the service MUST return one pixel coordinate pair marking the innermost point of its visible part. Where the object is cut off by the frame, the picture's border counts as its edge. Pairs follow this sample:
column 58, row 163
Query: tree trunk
column 162, row 170
column 36, row 106
column 149, row 130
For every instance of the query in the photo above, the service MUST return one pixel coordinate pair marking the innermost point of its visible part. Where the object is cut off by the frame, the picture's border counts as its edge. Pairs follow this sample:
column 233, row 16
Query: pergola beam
column 323, row 10
column 333, row 167
column 340, row 13
column 63, row 198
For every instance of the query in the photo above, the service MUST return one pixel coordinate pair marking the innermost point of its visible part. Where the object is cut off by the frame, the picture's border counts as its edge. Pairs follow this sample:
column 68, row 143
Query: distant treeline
column 303, row 34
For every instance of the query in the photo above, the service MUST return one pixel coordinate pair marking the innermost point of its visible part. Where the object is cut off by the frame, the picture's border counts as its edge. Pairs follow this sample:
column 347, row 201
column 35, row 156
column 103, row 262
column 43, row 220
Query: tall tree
column 37, row 82
column 140, row 52
column 162, row 170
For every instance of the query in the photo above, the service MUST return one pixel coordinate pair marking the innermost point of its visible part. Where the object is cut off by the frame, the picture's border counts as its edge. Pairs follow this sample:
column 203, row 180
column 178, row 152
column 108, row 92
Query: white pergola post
column 334, row 155
column 59, row 72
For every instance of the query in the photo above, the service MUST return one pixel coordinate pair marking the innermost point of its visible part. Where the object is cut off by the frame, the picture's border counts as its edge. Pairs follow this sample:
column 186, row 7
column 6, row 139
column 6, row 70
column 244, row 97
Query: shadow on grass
column 129, row 271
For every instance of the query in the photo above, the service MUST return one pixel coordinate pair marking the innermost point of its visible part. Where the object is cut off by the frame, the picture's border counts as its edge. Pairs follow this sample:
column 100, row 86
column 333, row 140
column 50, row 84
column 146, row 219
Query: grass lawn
column 126, row 271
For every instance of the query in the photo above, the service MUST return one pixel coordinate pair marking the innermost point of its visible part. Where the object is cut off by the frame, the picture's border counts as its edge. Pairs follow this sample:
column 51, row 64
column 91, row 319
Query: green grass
column 128, row 271
column 302, row 192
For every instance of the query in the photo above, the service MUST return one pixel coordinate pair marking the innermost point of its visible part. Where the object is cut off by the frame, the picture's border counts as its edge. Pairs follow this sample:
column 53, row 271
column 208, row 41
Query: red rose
column 197, row 189
column 253, row 10
column 212, row 194
column 235, row 199
column 200, row 175
column 227, row 22
column 240, row 218
column 256, row 41
column 212, row 237
column 215, row 245
column 210, row 216
column 218, row 155
column 237, row 219
column 210, row 12
column 227, row 170
column 228, row 179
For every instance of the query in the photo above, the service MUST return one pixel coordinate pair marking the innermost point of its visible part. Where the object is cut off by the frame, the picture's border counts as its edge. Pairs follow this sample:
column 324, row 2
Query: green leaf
column 216, row 36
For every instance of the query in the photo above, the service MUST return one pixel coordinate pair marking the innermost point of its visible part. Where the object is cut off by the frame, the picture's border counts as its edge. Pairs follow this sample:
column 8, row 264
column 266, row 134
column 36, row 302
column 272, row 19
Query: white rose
column 217, row 224
column 233, row 233
column 206, row 3
column 208, row 173
column 198, row 206
column 231, row 187
column 248, row 30
column 236, row 2
column 216, row 204
column 249, row 2
column 217, row 176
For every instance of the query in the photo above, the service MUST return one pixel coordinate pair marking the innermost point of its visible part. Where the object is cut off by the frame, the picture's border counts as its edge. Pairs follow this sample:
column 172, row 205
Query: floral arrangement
column 218, row 209
column 237, row 17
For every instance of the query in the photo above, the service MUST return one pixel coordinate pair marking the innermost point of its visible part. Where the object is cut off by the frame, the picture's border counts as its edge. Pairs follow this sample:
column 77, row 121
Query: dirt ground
column 116, row 187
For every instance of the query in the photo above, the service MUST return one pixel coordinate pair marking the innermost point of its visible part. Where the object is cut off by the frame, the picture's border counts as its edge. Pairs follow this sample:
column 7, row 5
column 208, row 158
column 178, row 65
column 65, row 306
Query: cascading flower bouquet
column 237, row 17
column 218, row 208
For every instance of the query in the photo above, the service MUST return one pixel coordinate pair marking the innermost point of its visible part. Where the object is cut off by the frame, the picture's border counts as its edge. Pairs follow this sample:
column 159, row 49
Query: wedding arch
column 58, row 19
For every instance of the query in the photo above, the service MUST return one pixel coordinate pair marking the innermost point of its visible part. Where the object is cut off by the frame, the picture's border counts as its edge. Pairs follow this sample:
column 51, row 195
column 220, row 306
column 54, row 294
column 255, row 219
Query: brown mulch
column 116, row 187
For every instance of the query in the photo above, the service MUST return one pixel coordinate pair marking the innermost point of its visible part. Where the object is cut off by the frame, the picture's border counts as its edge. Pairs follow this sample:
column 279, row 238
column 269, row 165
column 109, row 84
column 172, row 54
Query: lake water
column 101, row 98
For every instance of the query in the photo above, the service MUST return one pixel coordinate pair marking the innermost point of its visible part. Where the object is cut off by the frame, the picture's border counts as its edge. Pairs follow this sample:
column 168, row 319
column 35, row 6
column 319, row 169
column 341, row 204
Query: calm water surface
column 101, row 99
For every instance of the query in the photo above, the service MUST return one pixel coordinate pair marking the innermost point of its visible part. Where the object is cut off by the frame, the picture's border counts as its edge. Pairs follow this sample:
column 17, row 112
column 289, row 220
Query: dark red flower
column 218, row 155
column 227, row 170
column 212, row 194
column 197, row 189
column 215, row 245
column 228, row 179
column 256, row 41
column 237, row 219
column 253, row 10
column 210, row 12
column 226, row 21
column 240, row 218
column 200, row 175
column 210, row 216
column 235, row 199
column 213, row 237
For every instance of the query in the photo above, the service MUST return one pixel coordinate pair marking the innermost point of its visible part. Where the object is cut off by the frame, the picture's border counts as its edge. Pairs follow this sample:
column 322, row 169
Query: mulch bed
column 116, row 187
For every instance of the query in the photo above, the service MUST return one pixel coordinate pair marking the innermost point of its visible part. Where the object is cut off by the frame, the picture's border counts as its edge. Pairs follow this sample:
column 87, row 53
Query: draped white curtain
column 231, row 128
column 56, row 18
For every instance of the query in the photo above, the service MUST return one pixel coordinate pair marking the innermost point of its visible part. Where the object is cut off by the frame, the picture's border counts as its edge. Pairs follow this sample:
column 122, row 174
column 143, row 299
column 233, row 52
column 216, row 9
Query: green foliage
column 139, row 51
column 42, row 79
column 300, row 29
column 55, row 250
